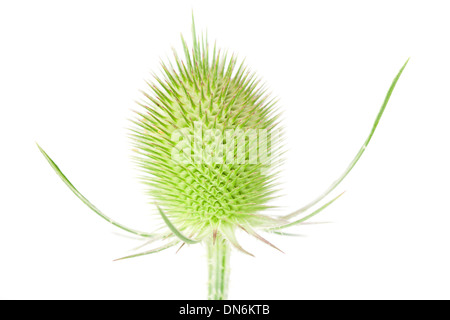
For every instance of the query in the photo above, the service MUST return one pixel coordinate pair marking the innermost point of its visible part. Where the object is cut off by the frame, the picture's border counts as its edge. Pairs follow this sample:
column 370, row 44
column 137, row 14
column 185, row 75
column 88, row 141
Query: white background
column 71, row 71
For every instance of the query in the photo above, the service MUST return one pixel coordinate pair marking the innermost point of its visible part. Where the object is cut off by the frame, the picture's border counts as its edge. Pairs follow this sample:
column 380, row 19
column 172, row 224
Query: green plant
column 209, row 143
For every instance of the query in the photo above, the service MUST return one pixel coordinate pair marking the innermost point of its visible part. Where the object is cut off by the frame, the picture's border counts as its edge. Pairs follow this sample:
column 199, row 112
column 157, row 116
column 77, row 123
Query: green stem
column 218, row 269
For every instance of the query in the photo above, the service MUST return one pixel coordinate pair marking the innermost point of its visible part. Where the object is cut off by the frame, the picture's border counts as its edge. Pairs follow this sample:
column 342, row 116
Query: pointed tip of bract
column 43, row 152
column 259, row 237
column 39, row 147
column 404, row 65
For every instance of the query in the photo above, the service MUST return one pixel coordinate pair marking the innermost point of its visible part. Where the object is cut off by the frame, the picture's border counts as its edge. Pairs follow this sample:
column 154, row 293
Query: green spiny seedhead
column 208, row 140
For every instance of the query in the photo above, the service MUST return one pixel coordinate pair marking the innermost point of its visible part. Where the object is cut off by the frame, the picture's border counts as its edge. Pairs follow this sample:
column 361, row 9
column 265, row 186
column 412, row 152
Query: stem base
column 218, row 269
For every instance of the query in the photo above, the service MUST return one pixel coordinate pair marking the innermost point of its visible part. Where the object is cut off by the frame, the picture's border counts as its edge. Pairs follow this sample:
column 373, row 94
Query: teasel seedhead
column 209, row 141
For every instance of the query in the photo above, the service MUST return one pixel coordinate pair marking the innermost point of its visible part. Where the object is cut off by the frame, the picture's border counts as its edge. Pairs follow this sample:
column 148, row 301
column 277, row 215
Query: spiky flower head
column 208, row 140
